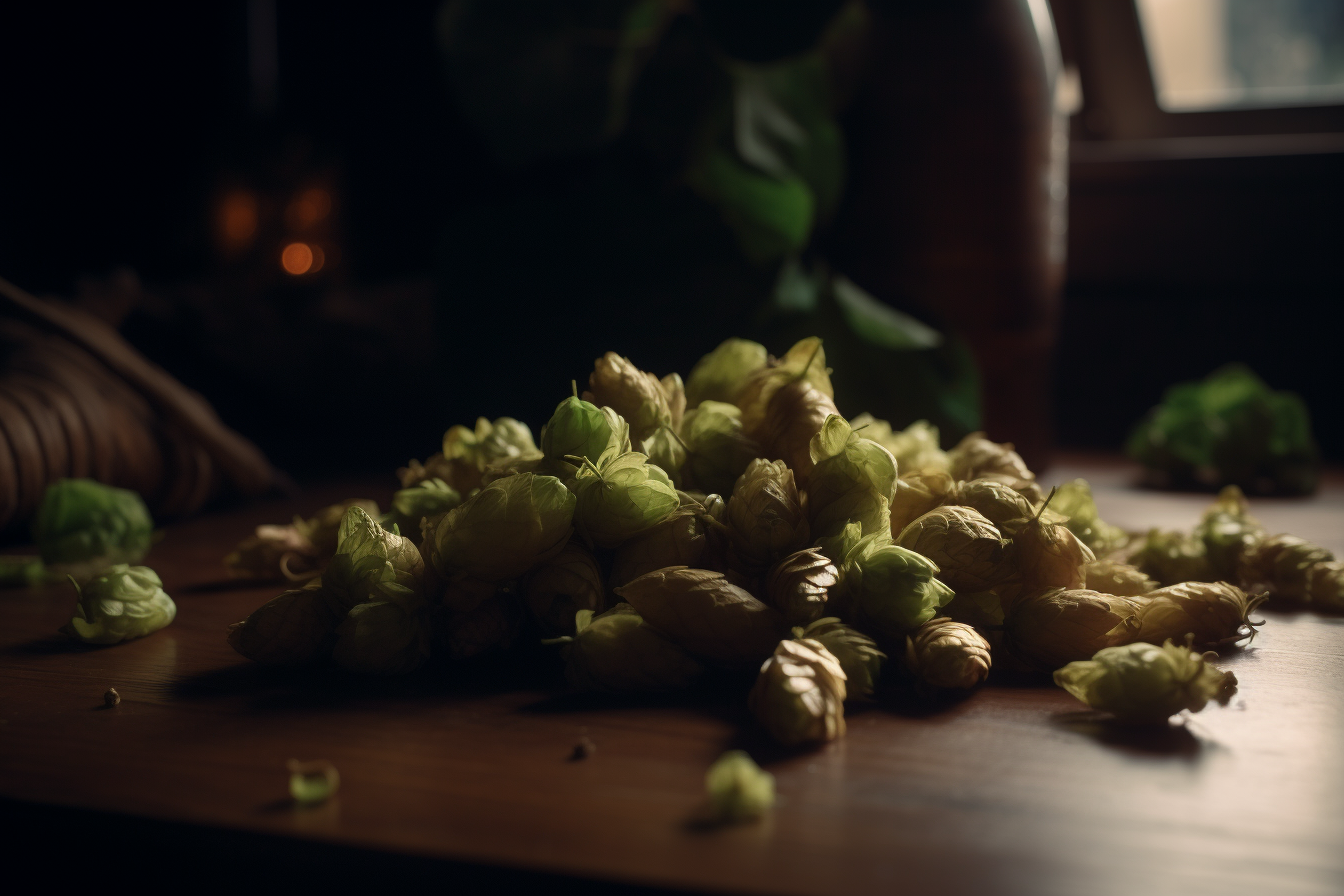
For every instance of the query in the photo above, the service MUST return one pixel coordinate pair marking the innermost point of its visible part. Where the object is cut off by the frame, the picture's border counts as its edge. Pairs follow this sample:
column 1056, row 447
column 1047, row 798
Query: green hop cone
column 993, row 500
column 1145, row 684
column 621, row 499
column 799, row 696
column 1046, row 554
column 1113, row 577
column 766, row 515
column 122, row 603
column 410, row 506
column 1325, row 587
column 639, row 397
column 738, row 789
column 580, row 428
column 503, row 530
column 948, row 655
column 1173, row 557
column 976, row 457
column 723, row 374
column 617, row 652
column 1206, row 614
column 853, row 478
column 718, row 450
column 1284, row 564
column 667, row 451
column 371, row 563
column 966, row 547
column 1228, row 531
column 83, row 526
column 856, row 652
column 890, row 590
column 915, row 447
column 799, row 585
column 293, row 629
column 689, row 536
column 561, row 586
column 1058, row 626
column 706, row 615
column 1074, row 500
column 323, row 529
column 916, row 494
column 384, row 637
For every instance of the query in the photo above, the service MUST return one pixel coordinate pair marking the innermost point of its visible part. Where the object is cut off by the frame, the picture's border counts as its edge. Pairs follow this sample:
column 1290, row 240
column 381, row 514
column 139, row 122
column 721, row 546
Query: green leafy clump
column 738, row 789
column 1146, row 684
column 122, row 603
column 424, row 499
column 1230, row 428
column 1074, row 500
column 83, row 526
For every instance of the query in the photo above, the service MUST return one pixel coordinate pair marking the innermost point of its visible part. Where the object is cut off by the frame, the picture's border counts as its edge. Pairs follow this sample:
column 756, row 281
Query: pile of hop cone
column 665, row 531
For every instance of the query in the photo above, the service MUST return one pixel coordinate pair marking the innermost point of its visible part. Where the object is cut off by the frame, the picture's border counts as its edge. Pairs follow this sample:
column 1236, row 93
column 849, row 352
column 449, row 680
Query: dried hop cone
column 799, row 585
column 1048, row 555
column 947, row 654
column 917, row 493
column 976, row 457
column 994, row 500
column 856, row 652
column 1112, row 577
column 1284, row 564
column 800, row 694
column 290, row 630
column 1172, row 557
column 1059, row 626
column 965, row 545
column 1209, row 613
column 766, row 514
column 1145, row 684
column 637, row 396
column 1326, row 586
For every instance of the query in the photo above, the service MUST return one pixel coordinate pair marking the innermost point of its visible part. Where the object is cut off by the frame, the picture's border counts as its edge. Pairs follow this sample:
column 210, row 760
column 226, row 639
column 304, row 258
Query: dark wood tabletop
column 1015, row 789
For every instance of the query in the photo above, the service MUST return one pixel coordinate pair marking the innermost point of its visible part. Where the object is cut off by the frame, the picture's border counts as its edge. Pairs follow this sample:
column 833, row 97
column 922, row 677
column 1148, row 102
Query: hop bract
column 1146, row 684
column 890, row 590
column 915, row 448
column 947, row 654
column 799, row 585
column 738, row 789
column 853, row 478
column 580, row 428
column 1047, row 555
column 621, row 499
column 993, row 500
column 687, row 537
column 637, row 396
column 503, row 530
column 1284, row 564
column 122, row 603
column 856, row 653
column 83, row 526
column 617, row 652
column 799, row 696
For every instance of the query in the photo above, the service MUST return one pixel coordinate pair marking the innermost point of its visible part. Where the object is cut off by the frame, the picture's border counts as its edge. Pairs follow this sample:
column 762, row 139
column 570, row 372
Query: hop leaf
column 799, row 695
column 965, row 546
column 766, row 515
column 706, row 615
column 290, row 630
column 856, row 653
column 83, row 526
column 1209, row 614
column 1146, row 684
column 123, row 603
column 621, row 499
column 1059, row 626
column 723, row 374
column 617, row 652
column 947, row 654
column 503, row 530
column 738, row 789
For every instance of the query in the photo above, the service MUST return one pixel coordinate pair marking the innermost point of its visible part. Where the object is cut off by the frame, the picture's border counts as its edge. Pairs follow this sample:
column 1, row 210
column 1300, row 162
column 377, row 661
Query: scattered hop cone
column 1284, row 564
column 738, row 789
column 637, row 396
column 799, row 585
column 1074, row 500
column 799, row 696
column 916, row 494
column 503, row 530
column 561, row 586
column 1058, row 626
column 410, row 506
column 976, row 457
column 915, row 447
column 856, row 652
column 1325, row 587
column 667, row 451
column 965, row 545
column 621, row 499
column 372, row 564
column 706, row 615
column 384, row 637
column 804, row 364
column 580, row 428
column 1113, row 577
column 993, row 500
column 1047, row 555
column 275, row 554
column 1173, row 557
column 723, row 374
column 795, row 415
column 618, row 653
column 1209, row 614
column 1145, row 684
column 849, row 472
column 83, row 526
column 1228, row 530
column 293, row 629
column 890, row 590
column 467, row 452
column 718, row 450
column 689, row 536
column 947, row 654
column 123, row 603
column 766, row 515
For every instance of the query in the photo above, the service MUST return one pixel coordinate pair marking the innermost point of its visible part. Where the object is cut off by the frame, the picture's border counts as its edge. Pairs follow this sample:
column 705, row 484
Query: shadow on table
column 1173, row 739
column 52, row 645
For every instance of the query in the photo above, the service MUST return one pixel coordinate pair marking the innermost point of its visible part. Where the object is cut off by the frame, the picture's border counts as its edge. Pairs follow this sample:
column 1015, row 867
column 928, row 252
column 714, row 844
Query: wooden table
column 453, row 776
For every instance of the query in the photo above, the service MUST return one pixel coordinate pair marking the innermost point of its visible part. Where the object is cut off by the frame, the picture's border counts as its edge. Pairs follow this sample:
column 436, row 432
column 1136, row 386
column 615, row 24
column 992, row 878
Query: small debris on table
column 312, row 783
column 111, row 698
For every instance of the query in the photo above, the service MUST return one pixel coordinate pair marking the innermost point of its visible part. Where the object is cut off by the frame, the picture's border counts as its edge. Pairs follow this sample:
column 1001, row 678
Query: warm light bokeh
column 308, row 208
column 298, row 259
column 238, row 219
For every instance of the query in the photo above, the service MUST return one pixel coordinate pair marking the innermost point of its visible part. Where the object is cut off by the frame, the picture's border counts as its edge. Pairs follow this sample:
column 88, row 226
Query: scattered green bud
column 965, row 546
column 617, row 652
column 766, row 515
column 621, row 499
column 561, row 586
column 946, row 654
column 799, row 695
column 723, row 374
column 1325, row 586
column 1145, row 684
column 503, row 530
column 1058, row 626
column 1172, row 557
column 311, row 783
column 1074, row 500
column 738, row 789
column 293, row 629
column 1113, row 577
column 122, row 603
column 706, row 615
column 83, row 526
column 856, row 653
column 467, row 452
column 1228, row 531
column 799, row 585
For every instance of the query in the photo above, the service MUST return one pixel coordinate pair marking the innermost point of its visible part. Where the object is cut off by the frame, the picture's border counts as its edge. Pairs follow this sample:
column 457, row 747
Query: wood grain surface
column 1017, row 789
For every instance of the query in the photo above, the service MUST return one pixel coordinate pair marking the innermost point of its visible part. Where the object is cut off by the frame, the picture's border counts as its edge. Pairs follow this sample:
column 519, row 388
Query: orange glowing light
column 297, row 259
column 308, row 208
column 319, row 259
column 238, row 218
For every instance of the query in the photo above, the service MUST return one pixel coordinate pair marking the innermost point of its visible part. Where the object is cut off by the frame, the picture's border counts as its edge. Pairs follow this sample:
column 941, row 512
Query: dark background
column 122, row 125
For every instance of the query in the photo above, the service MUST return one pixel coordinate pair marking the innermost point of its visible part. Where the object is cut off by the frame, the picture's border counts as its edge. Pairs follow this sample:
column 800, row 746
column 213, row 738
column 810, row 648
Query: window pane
column 1212, row 54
